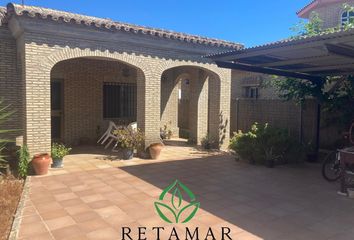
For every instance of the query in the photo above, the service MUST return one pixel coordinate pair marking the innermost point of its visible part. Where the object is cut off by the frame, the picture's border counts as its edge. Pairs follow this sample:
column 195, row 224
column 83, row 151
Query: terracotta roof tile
column 67, row 17
column 302, row 9
column 2, row 15
column 306, row 10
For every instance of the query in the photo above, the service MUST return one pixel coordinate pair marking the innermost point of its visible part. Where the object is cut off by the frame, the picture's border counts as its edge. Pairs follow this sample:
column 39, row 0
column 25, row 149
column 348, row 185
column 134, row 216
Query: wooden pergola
column 312, row 58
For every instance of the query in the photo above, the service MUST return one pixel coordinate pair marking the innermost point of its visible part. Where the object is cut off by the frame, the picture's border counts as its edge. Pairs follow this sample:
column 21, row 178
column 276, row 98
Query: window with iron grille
column 119, row 100
column 251, row 92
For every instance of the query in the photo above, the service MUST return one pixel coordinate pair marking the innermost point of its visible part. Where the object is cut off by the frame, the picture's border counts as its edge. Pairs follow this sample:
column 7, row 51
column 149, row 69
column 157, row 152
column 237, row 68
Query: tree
column 335, row 93
column 308, row 29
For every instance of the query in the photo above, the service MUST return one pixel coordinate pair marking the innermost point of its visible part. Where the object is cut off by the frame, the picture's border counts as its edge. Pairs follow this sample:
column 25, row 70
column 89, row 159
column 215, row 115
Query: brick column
column 198, row 107
column 148, row 109
column 36, row 105
column 169, row 102
column 219, row 107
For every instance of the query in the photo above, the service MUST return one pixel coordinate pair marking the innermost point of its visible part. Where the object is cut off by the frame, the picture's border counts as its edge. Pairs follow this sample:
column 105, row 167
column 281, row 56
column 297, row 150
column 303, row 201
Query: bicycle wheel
column 331, row 168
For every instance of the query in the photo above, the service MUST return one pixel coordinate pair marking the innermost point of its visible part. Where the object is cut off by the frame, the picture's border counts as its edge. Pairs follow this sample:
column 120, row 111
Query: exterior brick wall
column 241, row 79
column 11, row 87
column 43, row 44
column 198, row 106
column 169, row 102
column 331, row 13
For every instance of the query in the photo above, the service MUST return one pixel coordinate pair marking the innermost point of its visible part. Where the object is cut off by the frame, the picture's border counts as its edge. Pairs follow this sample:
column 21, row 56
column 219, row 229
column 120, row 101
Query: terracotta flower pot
column 40, row 163
column 155, row 150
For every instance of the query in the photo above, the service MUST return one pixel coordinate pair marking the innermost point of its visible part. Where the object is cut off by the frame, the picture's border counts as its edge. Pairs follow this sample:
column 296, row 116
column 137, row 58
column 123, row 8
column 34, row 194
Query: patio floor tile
column 59, row 222
column 93, row 197
column 70, row 232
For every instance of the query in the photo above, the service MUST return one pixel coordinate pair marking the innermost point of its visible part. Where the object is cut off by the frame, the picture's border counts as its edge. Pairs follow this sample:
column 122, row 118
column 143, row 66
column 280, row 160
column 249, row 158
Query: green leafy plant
column 5, row 114
column 264, row 145
column 310, row 28
column 129, row 138
column 173, row 210
column 24, row 159
column 59, row 150
column 335, row 94
column 166, row 131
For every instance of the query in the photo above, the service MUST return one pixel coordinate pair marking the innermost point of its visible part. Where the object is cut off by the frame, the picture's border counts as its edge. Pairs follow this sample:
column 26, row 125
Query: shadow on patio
column 93, row 199
column 290, row 202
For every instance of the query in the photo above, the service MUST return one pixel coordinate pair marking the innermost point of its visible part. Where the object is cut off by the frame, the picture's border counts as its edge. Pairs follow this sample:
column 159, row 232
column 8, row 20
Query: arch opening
column 190, row 103
column 87, row 93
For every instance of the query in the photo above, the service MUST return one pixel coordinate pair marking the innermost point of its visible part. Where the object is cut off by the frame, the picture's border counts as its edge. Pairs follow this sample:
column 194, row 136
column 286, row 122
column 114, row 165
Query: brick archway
column 208, row 114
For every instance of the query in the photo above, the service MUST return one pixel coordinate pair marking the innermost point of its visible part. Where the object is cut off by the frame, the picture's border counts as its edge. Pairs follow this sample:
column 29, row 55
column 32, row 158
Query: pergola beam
column 305, row 60
column 271, row 71
column 276, row 49
column 340, row 50
column 328, row 67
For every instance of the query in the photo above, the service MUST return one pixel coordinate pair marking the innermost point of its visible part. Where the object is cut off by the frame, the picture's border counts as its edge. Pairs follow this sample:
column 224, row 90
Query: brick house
column 67, row 75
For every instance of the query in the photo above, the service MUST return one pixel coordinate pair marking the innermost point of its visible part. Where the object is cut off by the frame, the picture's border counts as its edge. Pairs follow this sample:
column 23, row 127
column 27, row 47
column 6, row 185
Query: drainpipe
column 237, row 112
column 301, row 124
column 318, row 122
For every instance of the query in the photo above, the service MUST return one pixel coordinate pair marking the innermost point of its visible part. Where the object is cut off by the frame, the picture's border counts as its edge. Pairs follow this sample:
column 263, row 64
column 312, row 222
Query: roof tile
column 2, row 15
column 67, row 17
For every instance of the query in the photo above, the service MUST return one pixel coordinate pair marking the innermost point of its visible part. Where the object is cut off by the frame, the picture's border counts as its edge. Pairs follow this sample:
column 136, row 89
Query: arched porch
column 194, row 92
column 87, row 93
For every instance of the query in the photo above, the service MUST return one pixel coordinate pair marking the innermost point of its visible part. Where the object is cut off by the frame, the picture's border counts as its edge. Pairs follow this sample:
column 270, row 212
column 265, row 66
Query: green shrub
column 23, row 163
column 264, row 144
column 129, row 139
column 59, row 151
column 244, row 144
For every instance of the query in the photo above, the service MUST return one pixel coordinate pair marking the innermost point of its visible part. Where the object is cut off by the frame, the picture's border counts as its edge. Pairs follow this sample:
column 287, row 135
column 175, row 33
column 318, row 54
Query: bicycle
column 332, row 167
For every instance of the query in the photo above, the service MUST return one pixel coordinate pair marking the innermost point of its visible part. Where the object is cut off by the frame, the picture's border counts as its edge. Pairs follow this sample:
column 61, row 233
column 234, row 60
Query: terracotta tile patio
column 93, row 198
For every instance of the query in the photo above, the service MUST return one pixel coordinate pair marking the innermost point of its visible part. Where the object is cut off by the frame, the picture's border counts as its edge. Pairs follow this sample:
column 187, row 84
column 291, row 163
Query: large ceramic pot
column 40, row 163
column 155, row 150
column 127, row 153
column 57, row 163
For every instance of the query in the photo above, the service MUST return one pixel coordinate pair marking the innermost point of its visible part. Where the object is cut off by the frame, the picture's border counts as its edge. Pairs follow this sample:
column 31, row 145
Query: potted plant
column 40, row 163
column 155, row 150
column 59, row 151
column 166, row 132
column 128, row 140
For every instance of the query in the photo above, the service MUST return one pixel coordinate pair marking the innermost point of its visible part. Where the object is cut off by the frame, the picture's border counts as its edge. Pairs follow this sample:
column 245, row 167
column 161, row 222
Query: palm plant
column 5, row 114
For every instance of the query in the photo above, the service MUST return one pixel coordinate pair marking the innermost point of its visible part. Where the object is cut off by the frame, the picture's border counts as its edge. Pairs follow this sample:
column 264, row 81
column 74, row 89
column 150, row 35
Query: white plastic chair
column 108, row 133
column 133, row 126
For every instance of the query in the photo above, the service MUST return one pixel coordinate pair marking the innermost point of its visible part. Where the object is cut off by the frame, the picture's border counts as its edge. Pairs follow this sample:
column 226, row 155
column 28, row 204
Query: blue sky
column 244, row 21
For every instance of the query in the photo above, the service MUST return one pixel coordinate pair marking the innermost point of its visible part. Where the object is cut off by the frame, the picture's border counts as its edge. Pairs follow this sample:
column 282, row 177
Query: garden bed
column 10, row 194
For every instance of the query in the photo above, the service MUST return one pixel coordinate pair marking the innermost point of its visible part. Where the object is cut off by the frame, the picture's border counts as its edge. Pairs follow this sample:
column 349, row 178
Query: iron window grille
column 119, row 100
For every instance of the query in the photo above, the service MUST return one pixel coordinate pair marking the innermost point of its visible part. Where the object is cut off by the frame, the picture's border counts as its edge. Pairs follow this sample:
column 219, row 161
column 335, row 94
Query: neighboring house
column 331, row 12
column 250, row 85
column 67, row 75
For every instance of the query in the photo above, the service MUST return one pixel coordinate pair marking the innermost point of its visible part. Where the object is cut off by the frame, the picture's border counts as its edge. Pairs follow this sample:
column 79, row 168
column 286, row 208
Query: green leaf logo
column 173, row 211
